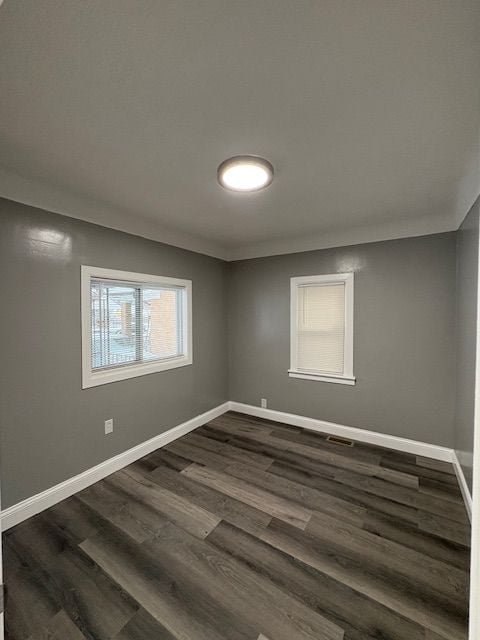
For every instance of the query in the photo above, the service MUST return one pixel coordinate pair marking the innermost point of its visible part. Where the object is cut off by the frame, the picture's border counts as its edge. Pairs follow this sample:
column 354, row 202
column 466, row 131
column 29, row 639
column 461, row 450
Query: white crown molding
column 58, row 200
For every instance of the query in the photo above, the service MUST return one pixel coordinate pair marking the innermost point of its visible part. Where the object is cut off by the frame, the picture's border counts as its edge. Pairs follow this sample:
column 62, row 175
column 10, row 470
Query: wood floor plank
column 199, row 455
column 440, row 506
column 164, row 458
column 327, row 457
column 351, row 494
column 96, row 605
column 405, row 517
column 411, row 536
column 399, row 596
column 247, row 429
column 248, row 529
column 393, row 520
column 250, row 596
column 143, row 626
column 209, row 431
column 180, row 511
column 421, row 472
column 131, row 516
column 310, row 498
column 441, row 490
column 430, row 635
column 438, row 465
column 199, row 440
column 75, row 521
column 390, row 519
column 179, row 606
column 248, row 457
column 360, row 617
column 235, row 453
column 377, row 552
column 60, row 627
column 225, row 507
column 403, row 495
column 281, row 455
column 263, row 423
column 445, row 528
column 319, row 440
column 250, row 494
column 240, row 425
column 26, row 592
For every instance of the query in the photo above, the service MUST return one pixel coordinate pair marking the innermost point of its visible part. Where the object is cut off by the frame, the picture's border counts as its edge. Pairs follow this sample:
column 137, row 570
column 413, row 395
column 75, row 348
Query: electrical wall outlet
column 263, row 403
column 108, row 426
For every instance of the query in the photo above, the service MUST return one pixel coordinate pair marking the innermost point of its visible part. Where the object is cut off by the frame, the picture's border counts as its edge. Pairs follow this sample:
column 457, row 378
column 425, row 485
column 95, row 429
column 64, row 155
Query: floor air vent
column 342, row 441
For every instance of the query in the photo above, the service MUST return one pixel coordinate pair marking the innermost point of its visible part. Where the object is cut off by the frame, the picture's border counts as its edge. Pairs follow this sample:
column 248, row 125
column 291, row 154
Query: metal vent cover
column 341, row 441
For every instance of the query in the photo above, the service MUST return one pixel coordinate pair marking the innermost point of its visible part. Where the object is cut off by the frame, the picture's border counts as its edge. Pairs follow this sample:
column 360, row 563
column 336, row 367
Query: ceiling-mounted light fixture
column 245, row 173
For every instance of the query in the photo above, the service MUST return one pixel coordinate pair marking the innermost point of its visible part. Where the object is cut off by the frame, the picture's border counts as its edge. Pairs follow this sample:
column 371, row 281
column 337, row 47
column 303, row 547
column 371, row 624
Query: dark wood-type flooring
column 248, row 530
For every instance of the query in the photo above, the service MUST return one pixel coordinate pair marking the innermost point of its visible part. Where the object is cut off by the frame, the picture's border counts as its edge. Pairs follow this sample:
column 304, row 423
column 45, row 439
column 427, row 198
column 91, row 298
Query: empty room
column 239, row 260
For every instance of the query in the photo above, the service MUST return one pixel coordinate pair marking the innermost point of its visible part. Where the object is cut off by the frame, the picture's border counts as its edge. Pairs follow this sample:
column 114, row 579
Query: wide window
column 321, row 317
column 133, row 324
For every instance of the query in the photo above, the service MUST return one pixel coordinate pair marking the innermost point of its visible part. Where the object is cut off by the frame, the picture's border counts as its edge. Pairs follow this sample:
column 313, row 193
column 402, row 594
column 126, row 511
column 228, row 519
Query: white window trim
column 294, row 372
column 94, row 378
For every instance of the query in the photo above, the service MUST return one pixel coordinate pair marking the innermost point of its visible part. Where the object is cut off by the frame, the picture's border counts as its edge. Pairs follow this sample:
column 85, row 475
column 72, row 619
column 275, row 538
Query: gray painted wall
column 404, row 343
column 51, row 429
column 467, row 287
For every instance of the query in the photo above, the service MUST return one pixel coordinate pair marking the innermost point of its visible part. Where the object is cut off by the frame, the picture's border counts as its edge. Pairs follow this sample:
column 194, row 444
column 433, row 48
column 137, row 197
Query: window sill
column 94, row 379
column 350, row 380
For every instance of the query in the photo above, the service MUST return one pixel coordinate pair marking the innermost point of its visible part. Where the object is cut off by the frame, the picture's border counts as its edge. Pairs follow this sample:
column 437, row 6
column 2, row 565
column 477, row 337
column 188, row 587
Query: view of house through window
column 134, row 324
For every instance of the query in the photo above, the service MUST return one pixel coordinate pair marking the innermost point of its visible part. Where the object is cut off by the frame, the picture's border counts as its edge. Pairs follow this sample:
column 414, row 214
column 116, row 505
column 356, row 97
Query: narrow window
column 322, row 328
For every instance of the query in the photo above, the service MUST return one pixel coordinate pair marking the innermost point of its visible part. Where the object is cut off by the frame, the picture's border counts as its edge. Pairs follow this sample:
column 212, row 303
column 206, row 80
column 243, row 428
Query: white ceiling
column 119, row 112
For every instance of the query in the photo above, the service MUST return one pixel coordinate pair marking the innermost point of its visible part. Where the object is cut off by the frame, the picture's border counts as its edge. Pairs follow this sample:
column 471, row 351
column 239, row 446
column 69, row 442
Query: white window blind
column 134, row 323
column 322, row 328
column 137, row 324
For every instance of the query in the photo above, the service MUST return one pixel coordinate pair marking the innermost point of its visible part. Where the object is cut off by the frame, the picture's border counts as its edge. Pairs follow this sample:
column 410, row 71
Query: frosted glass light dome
column 245, row 173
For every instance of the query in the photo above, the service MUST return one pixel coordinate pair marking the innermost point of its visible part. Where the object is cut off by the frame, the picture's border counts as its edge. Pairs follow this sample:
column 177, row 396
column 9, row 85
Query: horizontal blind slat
column 134, row 323
column 321, row 328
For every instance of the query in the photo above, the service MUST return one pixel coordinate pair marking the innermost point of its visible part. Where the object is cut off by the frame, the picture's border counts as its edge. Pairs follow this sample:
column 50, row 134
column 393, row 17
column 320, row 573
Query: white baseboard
column 41, row 501
column 37, row 503
column 415, row 447
column 354, row 433
column 467, row 496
